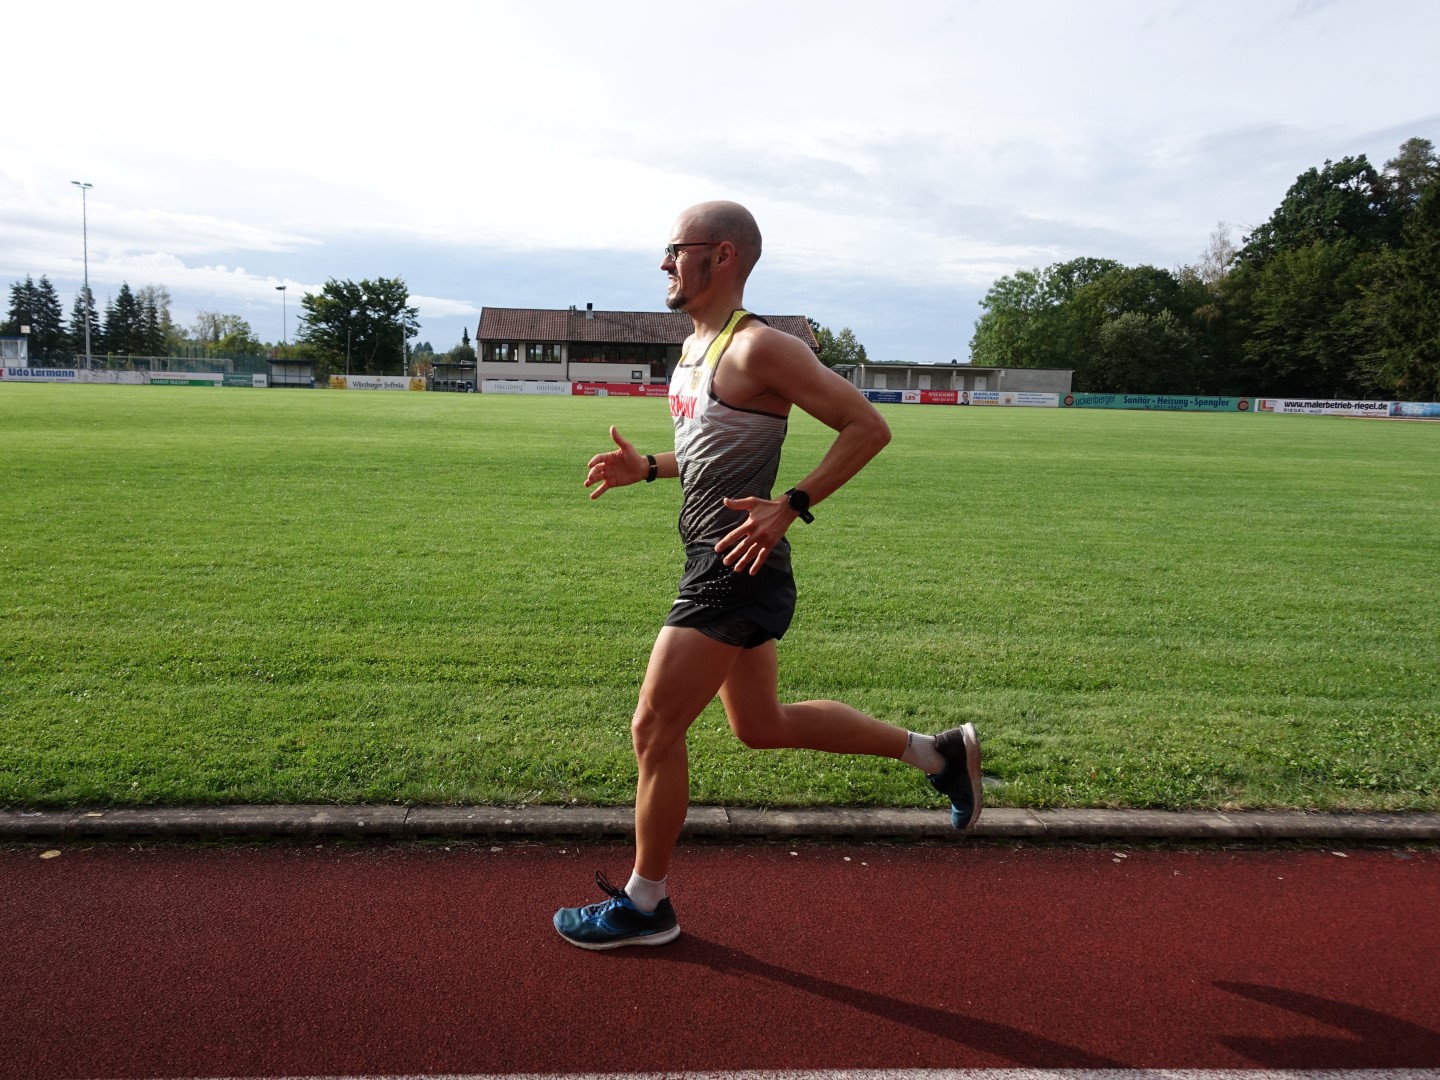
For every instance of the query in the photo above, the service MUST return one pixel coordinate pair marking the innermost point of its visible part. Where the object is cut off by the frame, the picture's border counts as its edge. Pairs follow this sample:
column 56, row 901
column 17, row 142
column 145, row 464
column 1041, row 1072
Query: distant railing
column 225, row 365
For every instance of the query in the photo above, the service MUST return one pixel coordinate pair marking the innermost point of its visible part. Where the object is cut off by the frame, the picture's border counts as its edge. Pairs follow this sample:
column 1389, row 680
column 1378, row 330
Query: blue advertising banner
column 1415, row 410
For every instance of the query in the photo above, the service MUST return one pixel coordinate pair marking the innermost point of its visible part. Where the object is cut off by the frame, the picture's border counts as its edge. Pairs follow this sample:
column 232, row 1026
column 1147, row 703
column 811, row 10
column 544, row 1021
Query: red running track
column 403, row 960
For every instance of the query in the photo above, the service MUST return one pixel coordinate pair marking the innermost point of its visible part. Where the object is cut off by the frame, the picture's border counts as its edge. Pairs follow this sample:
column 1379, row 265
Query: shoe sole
column 664, row 937
column 972, row 770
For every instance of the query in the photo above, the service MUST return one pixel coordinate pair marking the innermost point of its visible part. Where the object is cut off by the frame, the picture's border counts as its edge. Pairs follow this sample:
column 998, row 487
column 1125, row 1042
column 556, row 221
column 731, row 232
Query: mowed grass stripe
column 270, row 596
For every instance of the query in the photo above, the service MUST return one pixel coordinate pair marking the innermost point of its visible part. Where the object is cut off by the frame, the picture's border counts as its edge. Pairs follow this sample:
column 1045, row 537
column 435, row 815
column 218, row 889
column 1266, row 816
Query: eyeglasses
column 673, row 250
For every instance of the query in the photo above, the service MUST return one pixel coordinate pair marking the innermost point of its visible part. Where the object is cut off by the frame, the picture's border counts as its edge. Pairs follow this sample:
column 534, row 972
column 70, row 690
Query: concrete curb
column 705, row 822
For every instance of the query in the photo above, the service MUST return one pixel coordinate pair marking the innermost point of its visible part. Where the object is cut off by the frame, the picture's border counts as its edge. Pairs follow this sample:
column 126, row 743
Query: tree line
column 836, row 349
column 135, row 322
column 1337, row 295
column 363, row 327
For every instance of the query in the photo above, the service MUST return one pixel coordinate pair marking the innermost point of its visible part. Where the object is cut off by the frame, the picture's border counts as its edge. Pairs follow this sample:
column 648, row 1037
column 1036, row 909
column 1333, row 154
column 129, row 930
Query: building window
column 542, row 353
column 500, row 352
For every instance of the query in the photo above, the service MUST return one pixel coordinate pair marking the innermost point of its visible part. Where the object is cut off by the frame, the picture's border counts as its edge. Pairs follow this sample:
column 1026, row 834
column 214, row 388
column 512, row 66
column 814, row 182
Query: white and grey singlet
column 722, row 452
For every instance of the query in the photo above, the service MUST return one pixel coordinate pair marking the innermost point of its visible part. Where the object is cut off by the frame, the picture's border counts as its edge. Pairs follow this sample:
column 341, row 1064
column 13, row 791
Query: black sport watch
column 800, row 503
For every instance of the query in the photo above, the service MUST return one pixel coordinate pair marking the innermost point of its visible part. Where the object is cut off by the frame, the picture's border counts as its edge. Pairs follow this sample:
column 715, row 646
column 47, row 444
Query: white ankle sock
column 645, row 893
column 920, row 751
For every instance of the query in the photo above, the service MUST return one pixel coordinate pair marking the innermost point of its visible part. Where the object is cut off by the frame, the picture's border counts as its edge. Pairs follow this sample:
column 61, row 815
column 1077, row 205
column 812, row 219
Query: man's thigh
column 685, row 672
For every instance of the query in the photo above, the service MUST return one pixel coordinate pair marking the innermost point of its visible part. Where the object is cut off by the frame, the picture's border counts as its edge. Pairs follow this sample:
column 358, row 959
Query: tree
column 37, row 306
column 81, row 312
column 1306, row 323
column 1219, row 255
column 1300, row 289
column 225, row 335
column 124, row 329
column 162, row 335
column 369, row 322
column 1346, row 200
column 1405, row 306
column 837, row 349
column 1411, row 171
column 1028, row 320
column 1136, row 351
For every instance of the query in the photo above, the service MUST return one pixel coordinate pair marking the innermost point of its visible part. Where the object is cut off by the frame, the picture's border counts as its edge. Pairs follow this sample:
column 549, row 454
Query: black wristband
column 654, row 469
column 800, row 503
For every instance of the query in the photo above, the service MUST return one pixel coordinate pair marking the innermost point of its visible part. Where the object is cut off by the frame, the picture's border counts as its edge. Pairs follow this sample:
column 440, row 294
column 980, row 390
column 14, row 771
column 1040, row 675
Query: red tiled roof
column 610, row 327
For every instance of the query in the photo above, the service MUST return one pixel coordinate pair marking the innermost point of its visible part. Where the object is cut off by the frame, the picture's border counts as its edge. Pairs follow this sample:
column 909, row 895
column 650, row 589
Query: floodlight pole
column 284, row 320
column 85, row 237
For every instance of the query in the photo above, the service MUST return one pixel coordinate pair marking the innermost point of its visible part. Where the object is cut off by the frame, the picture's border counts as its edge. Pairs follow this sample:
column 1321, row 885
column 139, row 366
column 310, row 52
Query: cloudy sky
column 899, row 156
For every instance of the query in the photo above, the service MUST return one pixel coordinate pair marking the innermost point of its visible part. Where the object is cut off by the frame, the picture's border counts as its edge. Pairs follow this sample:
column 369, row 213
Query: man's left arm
column 786, row 368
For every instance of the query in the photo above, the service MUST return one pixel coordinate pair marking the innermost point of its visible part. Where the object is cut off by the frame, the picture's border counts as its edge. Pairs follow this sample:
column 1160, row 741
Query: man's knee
column 759, row 729
column 654, row 732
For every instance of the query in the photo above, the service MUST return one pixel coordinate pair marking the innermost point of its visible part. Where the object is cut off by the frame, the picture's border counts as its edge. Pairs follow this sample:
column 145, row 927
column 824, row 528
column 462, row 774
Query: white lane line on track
column 920, row 1074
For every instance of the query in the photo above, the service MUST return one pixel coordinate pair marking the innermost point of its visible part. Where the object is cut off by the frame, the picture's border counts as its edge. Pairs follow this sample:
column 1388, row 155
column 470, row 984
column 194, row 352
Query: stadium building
column 545, row 345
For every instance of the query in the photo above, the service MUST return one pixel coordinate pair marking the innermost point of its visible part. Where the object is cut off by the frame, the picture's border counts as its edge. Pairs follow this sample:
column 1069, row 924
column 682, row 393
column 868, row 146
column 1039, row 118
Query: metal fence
column 224, row 365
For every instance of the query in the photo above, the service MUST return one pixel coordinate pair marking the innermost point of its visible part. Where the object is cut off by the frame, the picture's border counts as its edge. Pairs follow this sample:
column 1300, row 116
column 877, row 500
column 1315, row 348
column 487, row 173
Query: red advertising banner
column 611, row 389
column 939, row 397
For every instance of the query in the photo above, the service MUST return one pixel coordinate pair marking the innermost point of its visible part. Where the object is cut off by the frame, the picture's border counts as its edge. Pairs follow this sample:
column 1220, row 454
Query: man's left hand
column 751, row 542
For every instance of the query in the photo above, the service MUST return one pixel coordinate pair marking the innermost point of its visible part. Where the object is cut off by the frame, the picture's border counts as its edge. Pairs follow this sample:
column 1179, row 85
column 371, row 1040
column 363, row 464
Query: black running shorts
column 735, row 608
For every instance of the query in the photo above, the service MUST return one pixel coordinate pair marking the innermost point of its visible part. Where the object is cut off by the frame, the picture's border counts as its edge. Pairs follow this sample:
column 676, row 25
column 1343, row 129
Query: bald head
column 728, row 221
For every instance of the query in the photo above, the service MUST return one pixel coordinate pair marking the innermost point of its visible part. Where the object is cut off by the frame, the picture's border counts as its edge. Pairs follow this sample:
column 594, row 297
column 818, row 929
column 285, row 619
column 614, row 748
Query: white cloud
column 433, row 306
column 923, row 145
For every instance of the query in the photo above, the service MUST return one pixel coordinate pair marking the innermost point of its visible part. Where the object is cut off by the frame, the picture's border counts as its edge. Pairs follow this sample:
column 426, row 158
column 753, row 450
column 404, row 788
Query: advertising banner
column 594, row 389
column 376, row 382
column 1163, row 402
column 184, row 378
column 884, row 397
column 1312, row 407
column 1029, row 399
column 1415, row 410
column 252, row 381
column 525, row 386
column 32, row 374
column 980, row 397
column 127, row 378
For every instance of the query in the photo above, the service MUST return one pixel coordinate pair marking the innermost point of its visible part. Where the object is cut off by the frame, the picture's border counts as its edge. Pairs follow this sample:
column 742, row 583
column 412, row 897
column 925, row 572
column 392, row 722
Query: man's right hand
column 619, row 468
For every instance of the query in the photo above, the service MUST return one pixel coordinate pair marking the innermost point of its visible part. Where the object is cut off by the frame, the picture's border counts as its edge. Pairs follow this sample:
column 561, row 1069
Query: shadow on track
column 1382, row 1041
column 1000, row 1040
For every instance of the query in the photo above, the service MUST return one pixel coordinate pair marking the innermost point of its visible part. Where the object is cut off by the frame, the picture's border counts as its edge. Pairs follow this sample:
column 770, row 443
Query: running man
column 730, row 397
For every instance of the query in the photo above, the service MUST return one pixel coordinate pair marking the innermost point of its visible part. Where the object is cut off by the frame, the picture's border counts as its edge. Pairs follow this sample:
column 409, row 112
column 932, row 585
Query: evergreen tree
column 37, row 307
column 124, row 326
column 84, row 304
column 151, row 338
column 162, row 335
column 21, row 300
column 47, row 330
column 22, row 303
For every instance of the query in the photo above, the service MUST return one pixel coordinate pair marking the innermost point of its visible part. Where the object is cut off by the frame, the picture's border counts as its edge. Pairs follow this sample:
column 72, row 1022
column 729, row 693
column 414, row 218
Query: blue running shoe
column 959, row 780
column 616, row 922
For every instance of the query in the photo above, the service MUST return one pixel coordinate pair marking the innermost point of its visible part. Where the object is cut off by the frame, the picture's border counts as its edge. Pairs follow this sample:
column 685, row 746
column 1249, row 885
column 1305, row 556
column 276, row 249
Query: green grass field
column 270, row 596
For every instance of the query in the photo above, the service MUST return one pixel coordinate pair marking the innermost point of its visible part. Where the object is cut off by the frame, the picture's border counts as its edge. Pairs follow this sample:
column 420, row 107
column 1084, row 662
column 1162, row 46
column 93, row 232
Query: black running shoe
column 616, row 922
column 959, row 780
